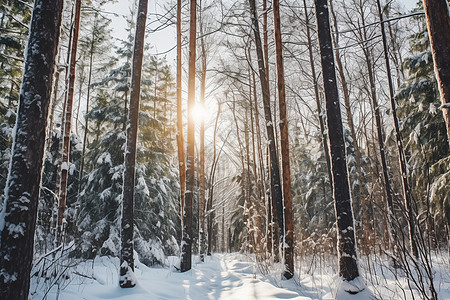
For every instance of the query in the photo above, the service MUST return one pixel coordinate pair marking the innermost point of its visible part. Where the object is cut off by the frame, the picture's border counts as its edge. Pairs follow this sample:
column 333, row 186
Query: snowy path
column 223, row 276
column 231, row 277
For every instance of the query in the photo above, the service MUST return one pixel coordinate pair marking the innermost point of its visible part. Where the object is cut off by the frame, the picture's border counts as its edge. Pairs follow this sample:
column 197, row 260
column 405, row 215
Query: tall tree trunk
column 18, row 217
column 63, row 116
column 65, row 162
column 348, row 268
column 401, row 153
column 127, row 278
column 277, row 196
column 360, row 198
column 180, row 139
column 186, row 246
column 201, row 238
column 321, row 117
column 271, row 215
column 438, row 22
column 288, row 242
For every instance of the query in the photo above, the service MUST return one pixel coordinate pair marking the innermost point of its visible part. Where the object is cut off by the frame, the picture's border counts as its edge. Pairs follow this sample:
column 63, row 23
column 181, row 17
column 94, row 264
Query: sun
column 199, row 112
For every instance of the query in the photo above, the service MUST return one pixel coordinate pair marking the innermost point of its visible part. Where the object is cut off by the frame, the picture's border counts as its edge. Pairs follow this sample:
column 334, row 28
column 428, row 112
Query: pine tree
column 14, row 18
column 102, row 185
column 424, row 131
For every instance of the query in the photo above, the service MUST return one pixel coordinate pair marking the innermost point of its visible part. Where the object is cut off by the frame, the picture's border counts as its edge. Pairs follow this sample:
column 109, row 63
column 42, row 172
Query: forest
column 291, row 149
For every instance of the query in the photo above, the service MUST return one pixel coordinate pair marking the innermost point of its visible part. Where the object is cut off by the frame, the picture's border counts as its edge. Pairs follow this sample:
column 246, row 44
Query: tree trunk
column 288, row 242
column 317, row 97
column 186, row 246
column 63, row 116
column 271, row 199
column 401, row 153
column 277, row 196
column 438, row 22
column 201, row 238
column 180, row 139
column 346, row 94
column 65, row 162
column 18, row 217
column 127, row 278
column 348, row 268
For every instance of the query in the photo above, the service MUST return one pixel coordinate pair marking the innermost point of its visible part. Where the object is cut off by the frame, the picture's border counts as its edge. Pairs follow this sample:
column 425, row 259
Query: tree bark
column 317, row 97
column 346, row 94
column 180, row 139
column 348, row 268
column 127, row 279
column 438, row 22
column 288, row 242
column 277, row 196
column 65, row 162
column 186, row 246
column 18, row 217
column 201, row 238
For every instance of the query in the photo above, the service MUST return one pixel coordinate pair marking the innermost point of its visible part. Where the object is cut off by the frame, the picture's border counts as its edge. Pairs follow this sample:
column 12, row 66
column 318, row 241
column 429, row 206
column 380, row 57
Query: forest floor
column 230, row 276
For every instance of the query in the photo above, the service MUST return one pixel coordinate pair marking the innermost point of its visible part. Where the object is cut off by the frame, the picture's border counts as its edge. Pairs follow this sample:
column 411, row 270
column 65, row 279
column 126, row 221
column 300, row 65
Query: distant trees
column 18, row 217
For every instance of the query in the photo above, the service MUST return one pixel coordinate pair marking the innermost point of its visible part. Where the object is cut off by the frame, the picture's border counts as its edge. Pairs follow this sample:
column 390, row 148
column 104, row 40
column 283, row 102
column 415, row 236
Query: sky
column 161, row 42
column 165, row 40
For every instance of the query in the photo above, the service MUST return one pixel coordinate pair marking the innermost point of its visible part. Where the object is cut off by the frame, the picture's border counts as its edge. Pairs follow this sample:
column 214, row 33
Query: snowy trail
column 222, row 276
column 227, row 276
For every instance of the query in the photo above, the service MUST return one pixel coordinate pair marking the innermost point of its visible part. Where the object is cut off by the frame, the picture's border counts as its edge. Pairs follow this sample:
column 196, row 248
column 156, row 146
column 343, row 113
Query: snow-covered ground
column 227, row 276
